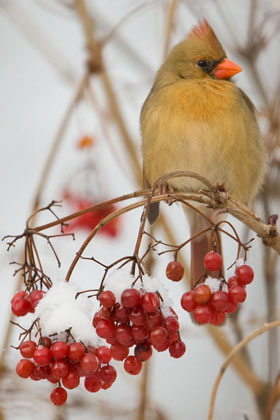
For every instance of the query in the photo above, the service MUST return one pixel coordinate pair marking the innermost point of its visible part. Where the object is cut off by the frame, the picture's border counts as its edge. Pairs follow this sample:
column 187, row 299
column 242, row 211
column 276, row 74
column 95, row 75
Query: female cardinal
column 196, row 119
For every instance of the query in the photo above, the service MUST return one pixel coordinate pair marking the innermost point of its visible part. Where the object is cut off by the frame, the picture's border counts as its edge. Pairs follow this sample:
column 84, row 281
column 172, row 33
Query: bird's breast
column 204, row 128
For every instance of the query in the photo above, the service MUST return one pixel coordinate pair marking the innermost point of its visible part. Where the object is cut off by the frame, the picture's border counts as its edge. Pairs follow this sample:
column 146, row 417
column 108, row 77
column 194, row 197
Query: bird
column 195, row 118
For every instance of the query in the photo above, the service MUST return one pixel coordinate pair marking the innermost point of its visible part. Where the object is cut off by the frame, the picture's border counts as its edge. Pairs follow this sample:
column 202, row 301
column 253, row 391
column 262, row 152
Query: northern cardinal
column 196, row 119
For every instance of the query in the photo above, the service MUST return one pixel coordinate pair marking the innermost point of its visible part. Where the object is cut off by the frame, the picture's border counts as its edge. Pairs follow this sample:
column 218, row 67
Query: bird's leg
column 164, row 188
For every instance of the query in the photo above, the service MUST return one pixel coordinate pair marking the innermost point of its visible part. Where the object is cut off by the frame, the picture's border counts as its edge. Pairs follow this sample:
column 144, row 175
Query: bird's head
column 200, row 55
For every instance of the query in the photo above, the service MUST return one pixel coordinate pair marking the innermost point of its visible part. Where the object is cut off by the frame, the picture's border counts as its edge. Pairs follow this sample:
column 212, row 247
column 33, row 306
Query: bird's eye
column 202, row 63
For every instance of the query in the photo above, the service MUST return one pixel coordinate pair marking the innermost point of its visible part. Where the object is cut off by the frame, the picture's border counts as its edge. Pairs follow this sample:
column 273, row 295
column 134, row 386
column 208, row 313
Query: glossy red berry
column 174, row 271
column 107, row 299
column 218, row 318
column 106, row 328
column 231, row 307
column 119, row 352
column 132, row 365
column 130, row 298
column 232, row 281
column 42, row 356
column 143, row 352
column 107, row 374
column 60, row 349
column 171, row 324
column 140, row 332
column 158, row 336
column 154, row 319
column 45, row 341
column 21, row 306
column 177, row 349
column 202, row 314
column 120, row 313
column 103, row 354
column 35, row 297
column 213, row 261
column 244, row 274
column 237, row 294
column 201, row 294
column 58, row 396
column 187, row 301
column 60, row 369
column 137, row 316
column 150, row 302
column 27, row 349
column 92, row 383
column 76, row 351
column 219, row 301
column 72, row 380
column 124, row 335
column 24, row 368
column 89, row 363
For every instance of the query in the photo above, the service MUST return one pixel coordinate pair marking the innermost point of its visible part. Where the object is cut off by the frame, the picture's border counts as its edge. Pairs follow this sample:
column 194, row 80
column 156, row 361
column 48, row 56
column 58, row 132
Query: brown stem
column 274, row 396
column 233, row 352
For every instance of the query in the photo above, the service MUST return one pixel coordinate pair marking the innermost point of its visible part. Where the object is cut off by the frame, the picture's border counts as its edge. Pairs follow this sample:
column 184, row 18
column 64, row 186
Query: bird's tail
column 202, row 244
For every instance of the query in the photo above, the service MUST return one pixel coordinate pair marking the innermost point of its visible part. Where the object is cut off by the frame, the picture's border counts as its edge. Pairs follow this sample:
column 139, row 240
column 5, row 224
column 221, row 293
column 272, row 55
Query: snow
column 215, row 284
column 59, row 311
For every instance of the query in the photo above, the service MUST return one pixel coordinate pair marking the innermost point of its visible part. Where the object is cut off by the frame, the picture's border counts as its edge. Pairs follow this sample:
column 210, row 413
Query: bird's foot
column 166, row 189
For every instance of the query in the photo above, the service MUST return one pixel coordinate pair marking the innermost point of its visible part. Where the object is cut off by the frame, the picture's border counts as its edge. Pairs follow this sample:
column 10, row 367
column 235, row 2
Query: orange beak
column 226, row 69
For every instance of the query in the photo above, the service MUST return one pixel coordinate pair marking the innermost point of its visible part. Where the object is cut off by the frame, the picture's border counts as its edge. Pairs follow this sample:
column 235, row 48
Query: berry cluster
column 67, row 363
column 210, row 301
column 23, row 303
column 137, row 321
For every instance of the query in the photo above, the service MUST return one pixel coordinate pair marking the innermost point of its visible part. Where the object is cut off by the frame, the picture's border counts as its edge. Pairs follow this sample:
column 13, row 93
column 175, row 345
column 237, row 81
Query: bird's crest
column 203, row 32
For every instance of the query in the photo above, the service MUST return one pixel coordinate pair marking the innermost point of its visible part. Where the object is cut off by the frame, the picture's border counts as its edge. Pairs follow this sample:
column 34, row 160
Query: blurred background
column 67, row 135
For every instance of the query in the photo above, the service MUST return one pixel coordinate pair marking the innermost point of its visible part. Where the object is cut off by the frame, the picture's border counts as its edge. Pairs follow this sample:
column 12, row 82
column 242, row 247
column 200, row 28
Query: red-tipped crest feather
column 205, row 33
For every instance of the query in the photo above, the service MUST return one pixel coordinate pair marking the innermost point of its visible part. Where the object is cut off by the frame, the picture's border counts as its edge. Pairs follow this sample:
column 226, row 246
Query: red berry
column 187, row 301
column 137, row 316
column 213, row 261
column 58, row 396
column 158, row 336
column 92, row 383
column 173, row 337
column 177, row 349
column 154, row 319
column 130, row 298
column 219, row 301
column 232, row 281
column 27, row 349
column 76, row 351
column 171, row 324
column 89, row 363
column 124, row 335
column 103, row 354
column 143, row 352
column 237, row 294
column 118, row 352
column 202, row 314
column 150, row 302
column 19, row 295
column 245, row 274
column 132, row 365
column 45, row 341
column 140, row 332
column 201, row 294
column 24, row 368
column 231, row 307
column 38, row 373
column 21, row 306
column 106, row 329
column 120, row 313
column 60, row 349
column 72, row 380
column 42, row 356
column 218, row 318
column 35, row 297
column 107, row 299
column 107, row 374
column 174, row 271
column 162, row 347
column 60, row 369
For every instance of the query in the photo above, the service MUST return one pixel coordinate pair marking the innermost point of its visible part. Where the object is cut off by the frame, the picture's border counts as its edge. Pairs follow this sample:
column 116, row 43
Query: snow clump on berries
column 59, row 311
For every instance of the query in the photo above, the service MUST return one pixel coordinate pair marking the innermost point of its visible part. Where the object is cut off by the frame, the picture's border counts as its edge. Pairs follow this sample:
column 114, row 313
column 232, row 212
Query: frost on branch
column 60, row 311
